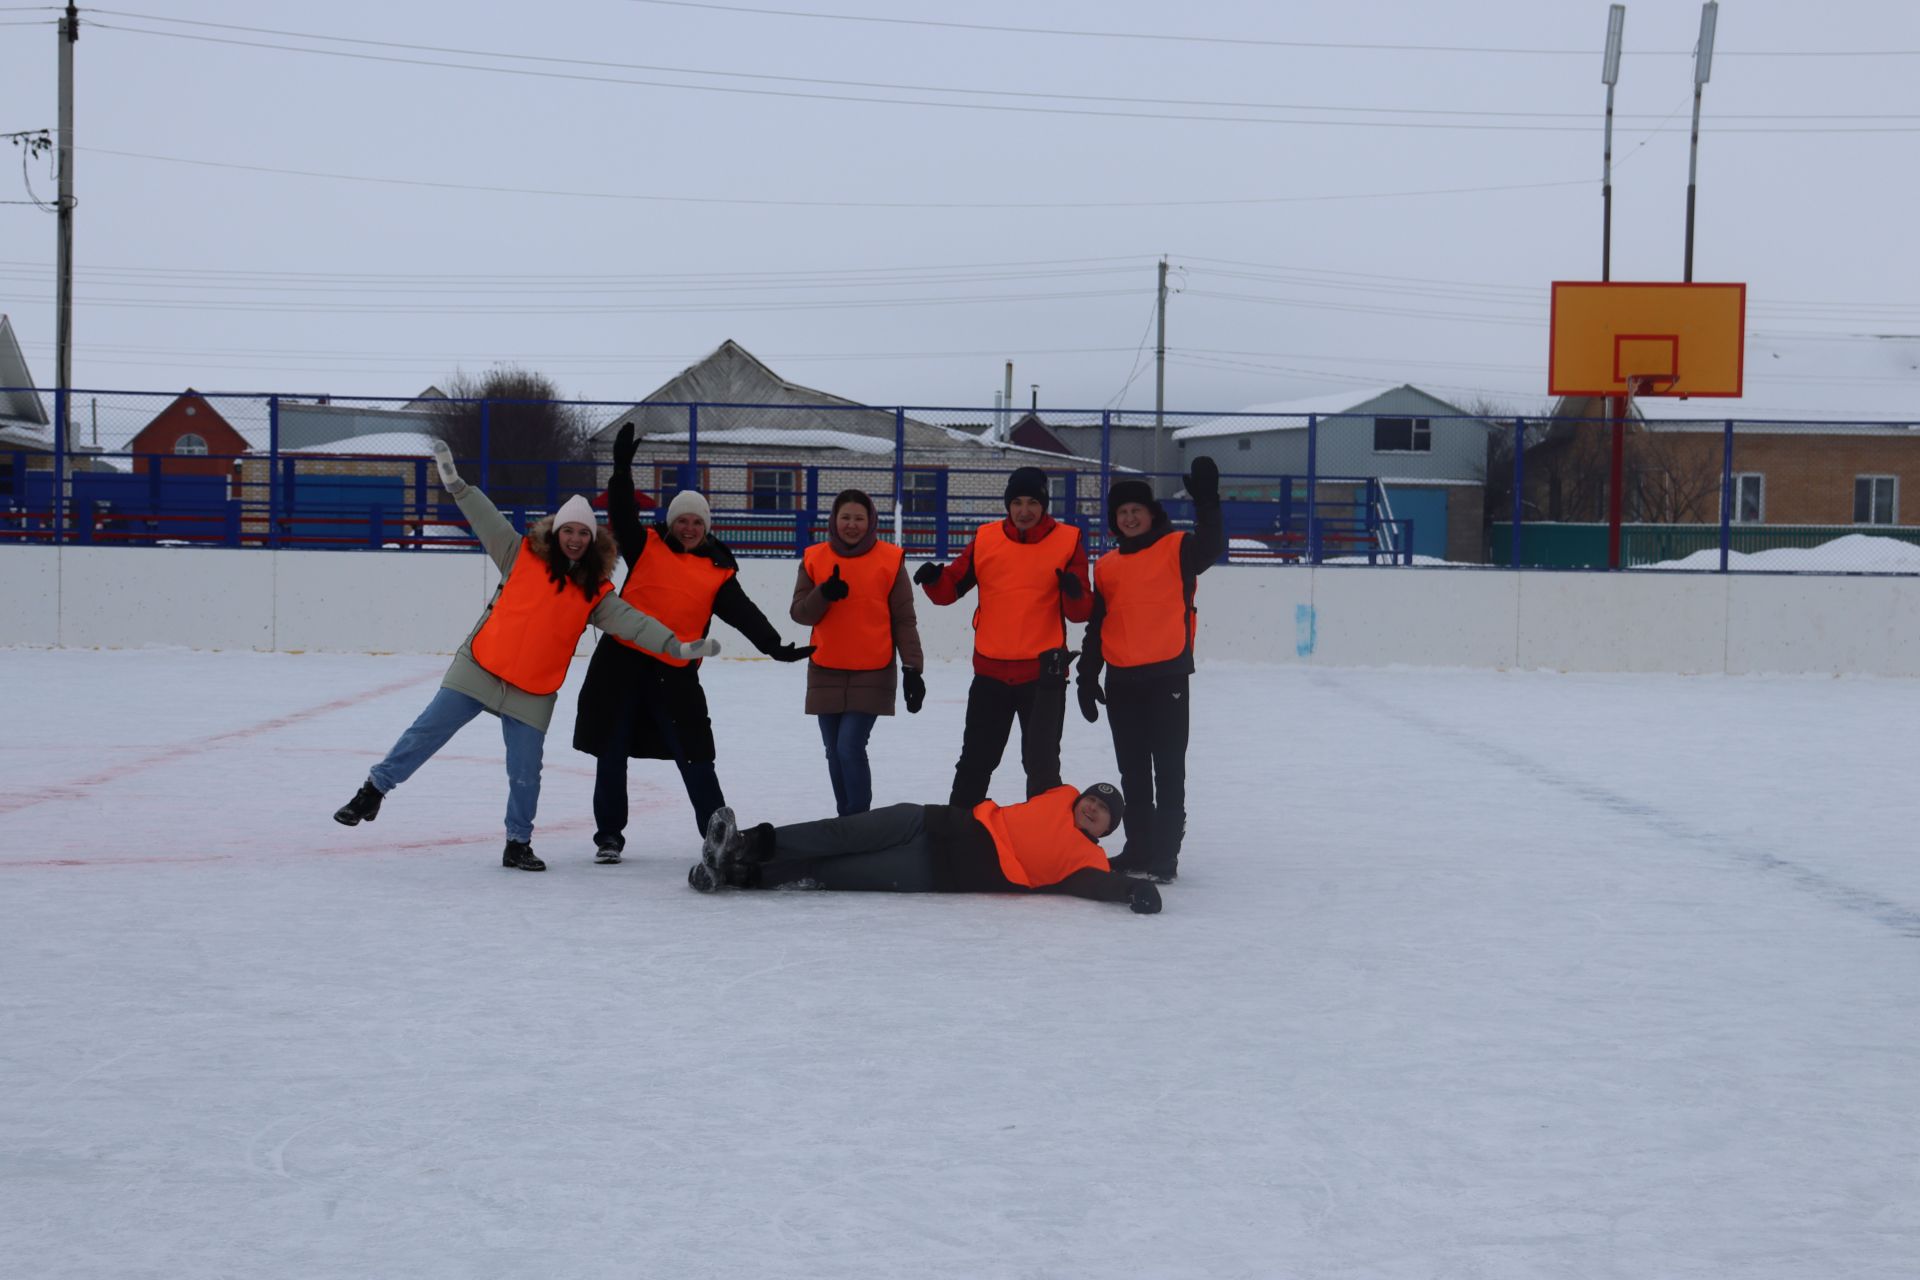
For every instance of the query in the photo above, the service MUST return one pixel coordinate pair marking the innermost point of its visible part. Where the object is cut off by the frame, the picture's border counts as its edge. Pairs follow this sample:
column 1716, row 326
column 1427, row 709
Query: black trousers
column 992, row 707
column 1149, row 723
column 637, row 700
column 882, row 850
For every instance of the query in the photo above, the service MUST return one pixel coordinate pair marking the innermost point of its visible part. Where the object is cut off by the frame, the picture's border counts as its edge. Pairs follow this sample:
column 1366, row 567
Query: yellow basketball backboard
column 1647, row 339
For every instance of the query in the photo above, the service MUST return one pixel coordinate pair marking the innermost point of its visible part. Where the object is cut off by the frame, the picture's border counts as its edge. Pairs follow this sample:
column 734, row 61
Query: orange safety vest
column 1037, row 841
column 857, row 633
column 1148, row 617
column 532, row 630
column 1019, row 615
column 678, row 589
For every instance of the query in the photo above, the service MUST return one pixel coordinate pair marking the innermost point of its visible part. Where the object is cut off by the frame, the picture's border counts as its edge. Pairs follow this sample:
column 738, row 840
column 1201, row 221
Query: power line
column 952, row 106
column 894, row 87
column 1259, row 42
column 986, row 205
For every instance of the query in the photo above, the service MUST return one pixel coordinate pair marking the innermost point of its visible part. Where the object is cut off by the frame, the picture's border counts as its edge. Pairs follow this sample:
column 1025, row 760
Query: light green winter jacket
column 502, row 542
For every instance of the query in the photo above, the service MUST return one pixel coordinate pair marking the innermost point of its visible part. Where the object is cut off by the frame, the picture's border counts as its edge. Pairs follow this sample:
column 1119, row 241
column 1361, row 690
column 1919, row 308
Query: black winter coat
column 616, row 671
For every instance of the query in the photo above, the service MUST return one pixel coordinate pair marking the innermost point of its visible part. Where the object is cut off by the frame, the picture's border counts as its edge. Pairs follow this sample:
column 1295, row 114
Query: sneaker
column 364, row 807
column 608, row 854
column 700, row 878
column 721, row 848
column 1161, row 872
column 520, row 855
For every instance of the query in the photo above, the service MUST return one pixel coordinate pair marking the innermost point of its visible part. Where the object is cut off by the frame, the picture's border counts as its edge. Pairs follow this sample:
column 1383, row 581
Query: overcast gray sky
column 644, row 179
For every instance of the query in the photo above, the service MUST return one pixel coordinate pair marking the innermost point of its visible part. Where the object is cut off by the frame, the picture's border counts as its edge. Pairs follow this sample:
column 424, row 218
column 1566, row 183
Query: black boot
column 519, row 854
column 364, row 807
column 1170, row 831
column 608, row 850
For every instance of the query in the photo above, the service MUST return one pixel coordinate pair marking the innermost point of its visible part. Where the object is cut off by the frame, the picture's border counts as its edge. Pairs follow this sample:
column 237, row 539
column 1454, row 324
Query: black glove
column 1203, row 482
column 1069, row 584
column 1089, row 695
column 623, row 448
column 834, row 588
column 915, row 688
column 791, row 652
column 929, row 573
column 1144, row 897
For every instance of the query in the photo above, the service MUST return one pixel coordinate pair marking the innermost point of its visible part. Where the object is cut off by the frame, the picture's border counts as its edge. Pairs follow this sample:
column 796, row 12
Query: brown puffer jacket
column 831, row 692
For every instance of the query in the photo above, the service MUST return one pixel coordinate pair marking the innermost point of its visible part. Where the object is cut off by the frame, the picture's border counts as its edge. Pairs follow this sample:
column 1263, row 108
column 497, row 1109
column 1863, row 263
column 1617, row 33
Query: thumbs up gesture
column 833, row 588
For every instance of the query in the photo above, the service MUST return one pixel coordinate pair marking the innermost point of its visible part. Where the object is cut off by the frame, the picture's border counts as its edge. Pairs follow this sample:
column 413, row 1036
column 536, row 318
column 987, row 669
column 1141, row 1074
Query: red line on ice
column 74, row 790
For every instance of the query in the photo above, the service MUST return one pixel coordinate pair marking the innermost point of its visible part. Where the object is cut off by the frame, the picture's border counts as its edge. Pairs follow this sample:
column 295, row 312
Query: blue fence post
column 941, row 516
column 693, row 437
column 287, row 474
column 85, row 516
column 59, row 464
column 376, row 527
column 1106, row 474
column 553, row 485
column 233, row 523
column 804, row 518
column 420, row 501
column 1519, row 484
column 486, row 440
column 1726, row 496
column 273, row 471
column 1313, row 488
column 900, row 475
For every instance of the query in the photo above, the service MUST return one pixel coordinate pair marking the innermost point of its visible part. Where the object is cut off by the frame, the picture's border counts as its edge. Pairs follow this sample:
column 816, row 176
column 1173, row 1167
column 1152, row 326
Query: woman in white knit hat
column 640, row 701
column 554, row 583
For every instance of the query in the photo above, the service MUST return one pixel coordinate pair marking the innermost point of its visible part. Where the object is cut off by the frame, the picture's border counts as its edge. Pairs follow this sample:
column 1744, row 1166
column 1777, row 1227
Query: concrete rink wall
column 1347, row 616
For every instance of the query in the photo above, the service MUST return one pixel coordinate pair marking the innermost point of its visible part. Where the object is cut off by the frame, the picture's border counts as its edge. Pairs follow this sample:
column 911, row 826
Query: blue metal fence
column 1307, row 489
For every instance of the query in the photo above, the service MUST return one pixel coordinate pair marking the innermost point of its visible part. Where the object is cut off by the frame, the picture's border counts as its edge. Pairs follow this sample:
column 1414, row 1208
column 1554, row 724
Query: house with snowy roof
column 770, row 446
column 1422, row 459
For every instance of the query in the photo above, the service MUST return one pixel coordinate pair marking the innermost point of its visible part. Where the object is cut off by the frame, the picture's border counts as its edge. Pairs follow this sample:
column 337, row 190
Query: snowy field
column 1468, row 974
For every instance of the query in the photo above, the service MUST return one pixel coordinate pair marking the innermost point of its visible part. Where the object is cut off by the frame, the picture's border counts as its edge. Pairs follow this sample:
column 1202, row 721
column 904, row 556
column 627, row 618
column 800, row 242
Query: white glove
column 706, row 647
column 443, row 462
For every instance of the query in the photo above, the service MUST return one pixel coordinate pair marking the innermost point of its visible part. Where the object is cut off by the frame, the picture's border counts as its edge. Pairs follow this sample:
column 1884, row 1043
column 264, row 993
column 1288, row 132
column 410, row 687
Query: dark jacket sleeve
column 1089, row 882
column 1091, row 659
column 623, row 515
column 1078, row 608
column 1209, row 540
column 733, row 607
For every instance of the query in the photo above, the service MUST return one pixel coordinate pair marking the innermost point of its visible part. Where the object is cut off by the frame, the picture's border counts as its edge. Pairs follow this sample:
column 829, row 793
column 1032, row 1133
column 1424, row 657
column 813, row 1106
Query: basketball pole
column 1702, row 70
column 1610, row 76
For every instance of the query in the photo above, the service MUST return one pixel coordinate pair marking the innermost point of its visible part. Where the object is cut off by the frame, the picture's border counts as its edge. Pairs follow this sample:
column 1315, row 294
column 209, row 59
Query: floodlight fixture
column 1703, row 52
column 1616, row 23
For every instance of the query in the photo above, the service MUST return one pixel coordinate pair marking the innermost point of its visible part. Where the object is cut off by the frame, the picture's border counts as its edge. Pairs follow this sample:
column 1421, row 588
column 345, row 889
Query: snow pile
column 1852, row 553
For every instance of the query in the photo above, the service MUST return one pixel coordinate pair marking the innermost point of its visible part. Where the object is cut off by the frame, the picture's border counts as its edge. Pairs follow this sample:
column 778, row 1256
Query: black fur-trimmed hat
column 1109, row 795
column 1027, row 482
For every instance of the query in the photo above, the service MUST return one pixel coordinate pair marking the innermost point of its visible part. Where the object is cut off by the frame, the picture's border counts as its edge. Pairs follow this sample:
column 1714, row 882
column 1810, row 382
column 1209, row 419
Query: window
column 1402, row 435
column 1246, row 443
column 1749, row 498
column 922, row 490
column 191, row 444
column 1875, row 500
column 666, row 481
column 1059, row 494
column 772, row 488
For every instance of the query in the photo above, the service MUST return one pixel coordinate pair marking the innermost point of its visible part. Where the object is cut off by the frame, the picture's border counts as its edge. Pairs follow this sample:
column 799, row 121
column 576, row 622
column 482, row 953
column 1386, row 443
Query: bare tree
column 535, row 445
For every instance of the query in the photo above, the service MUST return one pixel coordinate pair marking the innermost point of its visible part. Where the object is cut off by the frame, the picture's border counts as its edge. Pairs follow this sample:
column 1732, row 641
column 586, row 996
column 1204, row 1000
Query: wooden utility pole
column 1160, row 384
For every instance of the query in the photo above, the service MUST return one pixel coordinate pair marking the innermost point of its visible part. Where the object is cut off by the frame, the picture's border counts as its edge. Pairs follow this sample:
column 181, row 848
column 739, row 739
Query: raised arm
column 1209, row 541
column 498, row 538
column 623, row 513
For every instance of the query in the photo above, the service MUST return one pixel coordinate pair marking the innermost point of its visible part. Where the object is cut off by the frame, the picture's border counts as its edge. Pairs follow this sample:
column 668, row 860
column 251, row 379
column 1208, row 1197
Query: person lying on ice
column 1045, row 845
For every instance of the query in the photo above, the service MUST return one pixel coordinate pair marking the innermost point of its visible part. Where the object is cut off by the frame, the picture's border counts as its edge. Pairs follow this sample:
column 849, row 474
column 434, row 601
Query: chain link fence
column 1667, row 490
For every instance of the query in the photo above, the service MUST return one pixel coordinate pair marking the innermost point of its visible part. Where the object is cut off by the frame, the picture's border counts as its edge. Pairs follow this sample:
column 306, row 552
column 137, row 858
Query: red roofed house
column 193, row 437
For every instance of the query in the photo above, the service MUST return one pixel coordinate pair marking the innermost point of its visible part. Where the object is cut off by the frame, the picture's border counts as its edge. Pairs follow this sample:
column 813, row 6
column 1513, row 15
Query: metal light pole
column 1160, row 382
column 63, row 254
column 1702, row 71
column 1609, row 76
column 1617, row 458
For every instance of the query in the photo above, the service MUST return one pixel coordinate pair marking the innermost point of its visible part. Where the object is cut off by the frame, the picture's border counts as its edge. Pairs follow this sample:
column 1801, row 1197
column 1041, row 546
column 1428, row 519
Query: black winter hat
column 1109, row 795
column 1125, row 491
column 853, row 495
column 1027, row 482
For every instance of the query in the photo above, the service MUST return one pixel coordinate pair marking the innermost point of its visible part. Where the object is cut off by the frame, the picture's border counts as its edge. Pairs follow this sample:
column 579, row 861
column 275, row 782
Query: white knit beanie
column 575, row 510
column 689, row 503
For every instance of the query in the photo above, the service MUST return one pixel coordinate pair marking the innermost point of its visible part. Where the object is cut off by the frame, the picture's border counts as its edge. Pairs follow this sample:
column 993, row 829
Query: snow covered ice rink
column 1468, row 974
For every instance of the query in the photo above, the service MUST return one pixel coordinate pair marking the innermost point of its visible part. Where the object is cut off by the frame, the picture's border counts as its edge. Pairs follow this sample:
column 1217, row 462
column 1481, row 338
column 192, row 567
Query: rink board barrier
column 399, row 602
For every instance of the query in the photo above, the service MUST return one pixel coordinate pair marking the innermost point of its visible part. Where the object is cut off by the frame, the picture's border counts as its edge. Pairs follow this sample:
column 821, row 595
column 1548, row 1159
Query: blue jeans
column 845, row 736
column 446, row 715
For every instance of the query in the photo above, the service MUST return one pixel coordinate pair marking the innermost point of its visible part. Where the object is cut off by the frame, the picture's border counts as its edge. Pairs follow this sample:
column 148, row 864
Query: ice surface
column 1466, row 975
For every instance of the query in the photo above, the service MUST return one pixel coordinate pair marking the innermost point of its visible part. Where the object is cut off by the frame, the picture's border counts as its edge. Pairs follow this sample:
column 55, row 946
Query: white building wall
column 424, row 602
